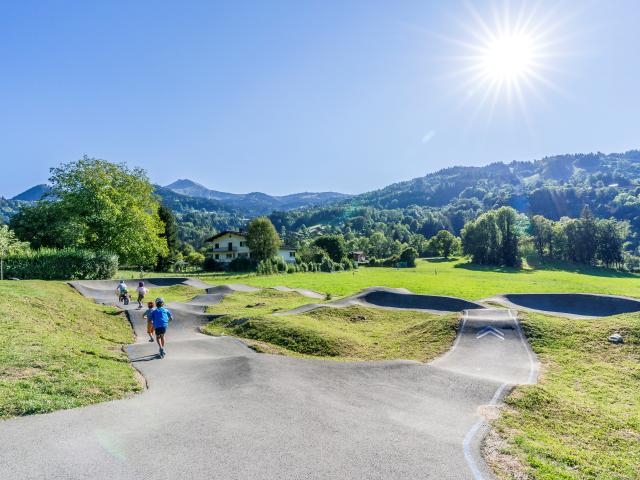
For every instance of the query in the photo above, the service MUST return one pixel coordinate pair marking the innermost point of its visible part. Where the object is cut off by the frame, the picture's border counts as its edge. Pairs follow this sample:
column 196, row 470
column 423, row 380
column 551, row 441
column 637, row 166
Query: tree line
column 499, row 237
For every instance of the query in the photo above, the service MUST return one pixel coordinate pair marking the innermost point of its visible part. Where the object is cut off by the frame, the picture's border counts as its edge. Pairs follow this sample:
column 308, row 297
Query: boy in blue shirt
column 160, row 318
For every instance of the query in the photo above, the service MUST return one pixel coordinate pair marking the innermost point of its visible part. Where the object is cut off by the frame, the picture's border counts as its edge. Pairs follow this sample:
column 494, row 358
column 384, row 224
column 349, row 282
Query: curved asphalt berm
column 576, row 305
column 217, row 410
column 393, row 299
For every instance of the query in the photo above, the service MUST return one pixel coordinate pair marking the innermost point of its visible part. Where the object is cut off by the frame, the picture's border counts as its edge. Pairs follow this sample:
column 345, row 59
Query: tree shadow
column 492, row 268
column 439, row 259
column 560, row 266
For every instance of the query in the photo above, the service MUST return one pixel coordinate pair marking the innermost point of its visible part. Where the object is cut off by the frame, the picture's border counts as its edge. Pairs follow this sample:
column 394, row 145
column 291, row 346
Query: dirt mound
column 576, row 304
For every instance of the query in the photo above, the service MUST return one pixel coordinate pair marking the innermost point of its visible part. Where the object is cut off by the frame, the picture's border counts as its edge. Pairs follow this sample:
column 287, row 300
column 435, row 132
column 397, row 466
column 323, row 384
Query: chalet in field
column 359, row 257
column 228, row 246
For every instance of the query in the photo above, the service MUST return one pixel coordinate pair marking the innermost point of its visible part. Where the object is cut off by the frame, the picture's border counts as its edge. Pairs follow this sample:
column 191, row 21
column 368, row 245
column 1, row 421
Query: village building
column 228, row 245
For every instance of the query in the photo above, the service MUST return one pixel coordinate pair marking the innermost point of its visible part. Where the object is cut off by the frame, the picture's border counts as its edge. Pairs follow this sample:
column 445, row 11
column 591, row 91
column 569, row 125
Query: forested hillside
column 553, row 187
column 8, row 208
column 256, row 203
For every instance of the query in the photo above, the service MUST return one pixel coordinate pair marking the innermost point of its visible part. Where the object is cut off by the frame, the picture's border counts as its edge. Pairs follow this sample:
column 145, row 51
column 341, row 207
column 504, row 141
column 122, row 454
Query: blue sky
column 286, row 96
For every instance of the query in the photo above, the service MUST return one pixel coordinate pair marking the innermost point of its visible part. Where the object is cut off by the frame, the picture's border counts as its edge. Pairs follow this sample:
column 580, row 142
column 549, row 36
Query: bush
column 212, row 265
column 64, row 264
column 240, row 265
column 327, row 265
column 347, row 264
column 409, row 256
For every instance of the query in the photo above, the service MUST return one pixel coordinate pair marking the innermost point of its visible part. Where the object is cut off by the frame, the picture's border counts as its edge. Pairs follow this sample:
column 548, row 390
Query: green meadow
column 456, row 278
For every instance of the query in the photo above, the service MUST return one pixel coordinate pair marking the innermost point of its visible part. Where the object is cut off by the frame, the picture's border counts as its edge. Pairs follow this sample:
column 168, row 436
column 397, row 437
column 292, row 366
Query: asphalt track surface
column 215, row 409
column 393, row 298
column 576, row 305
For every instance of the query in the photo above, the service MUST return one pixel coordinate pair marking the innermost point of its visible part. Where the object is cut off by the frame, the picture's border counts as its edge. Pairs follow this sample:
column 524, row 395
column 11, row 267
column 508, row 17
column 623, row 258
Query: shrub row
column 278, row 265
column 64, row 264
column 406, row 259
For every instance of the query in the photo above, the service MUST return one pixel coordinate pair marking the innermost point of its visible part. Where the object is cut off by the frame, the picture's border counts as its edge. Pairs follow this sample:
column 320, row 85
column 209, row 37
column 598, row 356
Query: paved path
column 572, row 305
column 217, row 410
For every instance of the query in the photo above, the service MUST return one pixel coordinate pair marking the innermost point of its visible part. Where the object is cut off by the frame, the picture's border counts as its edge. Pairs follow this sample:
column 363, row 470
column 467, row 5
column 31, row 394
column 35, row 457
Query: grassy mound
column 174, row 293
column 352, row 333
column 582, row 421
column 59, row 350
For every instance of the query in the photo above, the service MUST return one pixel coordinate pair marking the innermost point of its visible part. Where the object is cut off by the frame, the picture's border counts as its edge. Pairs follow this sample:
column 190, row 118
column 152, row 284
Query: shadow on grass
column 492, row 268
column 541, row 264
column 544, row 264
column 439, row 259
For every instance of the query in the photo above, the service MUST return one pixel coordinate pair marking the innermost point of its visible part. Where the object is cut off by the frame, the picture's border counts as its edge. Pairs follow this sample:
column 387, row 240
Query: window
column 217, row 245
column 242, row 244
column 292, row 254
column 217, row 256
column 229, row 255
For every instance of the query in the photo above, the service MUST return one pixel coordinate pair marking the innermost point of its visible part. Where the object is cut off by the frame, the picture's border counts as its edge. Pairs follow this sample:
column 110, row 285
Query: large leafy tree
column 99, row 205
column 334, row 245
column 493, row 238
column 445, row 243
column 170, row 235
column 262, row 239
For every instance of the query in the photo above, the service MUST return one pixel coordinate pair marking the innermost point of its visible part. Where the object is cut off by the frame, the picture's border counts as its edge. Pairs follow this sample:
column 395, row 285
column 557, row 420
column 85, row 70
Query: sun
column 508, row 58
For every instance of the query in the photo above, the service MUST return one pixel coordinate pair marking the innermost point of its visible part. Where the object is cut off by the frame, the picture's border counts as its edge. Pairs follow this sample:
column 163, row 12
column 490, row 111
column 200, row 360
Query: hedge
column 64, row 264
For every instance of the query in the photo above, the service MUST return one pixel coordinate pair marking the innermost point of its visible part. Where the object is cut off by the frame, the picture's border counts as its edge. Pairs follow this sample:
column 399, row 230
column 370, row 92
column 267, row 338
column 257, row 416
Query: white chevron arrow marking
column 490, row 330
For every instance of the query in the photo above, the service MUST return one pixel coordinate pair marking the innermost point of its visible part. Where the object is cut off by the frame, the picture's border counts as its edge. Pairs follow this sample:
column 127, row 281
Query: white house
column 229, row 245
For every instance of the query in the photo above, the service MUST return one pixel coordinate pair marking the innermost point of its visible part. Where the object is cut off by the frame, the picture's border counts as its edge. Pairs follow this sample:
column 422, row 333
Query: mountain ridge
column 256, row 200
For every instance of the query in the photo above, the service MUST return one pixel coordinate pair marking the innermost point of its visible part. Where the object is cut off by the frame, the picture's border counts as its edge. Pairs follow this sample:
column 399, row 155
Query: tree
column 170, row 234
column 408, row 256
column 9, row 244
column 334, row 245
column 506, row 220
column 610, row 241
column 493, row 238
column 542, row 232
column 262, row 239
column 99, row 205
column 44, row 225
column 445, row 243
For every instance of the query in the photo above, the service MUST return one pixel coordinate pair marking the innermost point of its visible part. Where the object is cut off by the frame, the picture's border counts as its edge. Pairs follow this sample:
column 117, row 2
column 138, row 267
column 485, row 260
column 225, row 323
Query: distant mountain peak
column 184, row 183
column 33, row 194
column 256, row 203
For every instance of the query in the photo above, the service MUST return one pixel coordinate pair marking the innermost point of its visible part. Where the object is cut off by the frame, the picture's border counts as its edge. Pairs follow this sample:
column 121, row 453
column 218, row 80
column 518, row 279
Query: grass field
column 352, row 333
column 59, row 350
column 456, row 278
column 582, row 420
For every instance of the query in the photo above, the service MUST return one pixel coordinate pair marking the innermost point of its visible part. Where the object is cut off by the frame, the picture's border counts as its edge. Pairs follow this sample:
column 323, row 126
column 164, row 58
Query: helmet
column 159, row 301
column 141, row 284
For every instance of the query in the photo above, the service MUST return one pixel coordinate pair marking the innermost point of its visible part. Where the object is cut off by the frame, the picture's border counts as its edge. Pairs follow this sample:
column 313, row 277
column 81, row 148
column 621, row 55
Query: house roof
column 287, row 247
column 222, row 234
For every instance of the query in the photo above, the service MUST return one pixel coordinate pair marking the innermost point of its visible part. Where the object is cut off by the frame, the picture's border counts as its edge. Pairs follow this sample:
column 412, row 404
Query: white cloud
column 428, row 136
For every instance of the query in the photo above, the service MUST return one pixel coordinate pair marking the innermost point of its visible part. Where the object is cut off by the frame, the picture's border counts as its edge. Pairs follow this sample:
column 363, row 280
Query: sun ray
column 508, row 56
